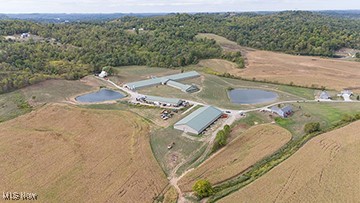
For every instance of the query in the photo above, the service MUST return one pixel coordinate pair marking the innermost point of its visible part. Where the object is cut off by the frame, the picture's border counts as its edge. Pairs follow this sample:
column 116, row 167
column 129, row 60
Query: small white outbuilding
column 103, row 74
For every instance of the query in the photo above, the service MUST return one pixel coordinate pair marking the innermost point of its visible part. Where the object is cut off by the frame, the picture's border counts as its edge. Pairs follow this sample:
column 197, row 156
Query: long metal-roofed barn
column 199, row 120
column 163, row 100
column 182, row 87
column 162, row 80
column 146, row 83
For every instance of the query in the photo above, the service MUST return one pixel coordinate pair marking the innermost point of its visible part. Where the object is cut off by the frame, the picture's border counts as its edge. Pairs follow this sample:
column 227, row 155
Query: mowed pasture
column 60, row 90
column 218, row 65
column 226, row 45
column 70, row 154
column 127, row 74
column 326, row 169
column 327, row 114
column 248, row 148
column 19, row 102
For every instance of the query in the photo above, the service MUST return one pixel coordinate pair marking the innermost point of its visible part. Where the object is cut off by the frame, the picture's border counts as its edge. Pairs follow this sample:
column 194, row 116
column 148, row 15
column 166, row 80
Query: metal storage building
column 146, row 83
column 161, row 80
column 182, row 87
column 199, row 120
column 163, row 100
column 183, row 76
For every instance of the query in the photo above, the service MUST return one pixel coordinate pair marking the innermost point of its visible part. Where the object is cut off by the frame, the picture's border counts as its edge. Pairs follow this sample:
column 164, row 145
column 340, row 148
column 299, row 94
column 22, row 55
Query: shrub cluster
column 202, row 188
column 312, row 127
column 221, row 138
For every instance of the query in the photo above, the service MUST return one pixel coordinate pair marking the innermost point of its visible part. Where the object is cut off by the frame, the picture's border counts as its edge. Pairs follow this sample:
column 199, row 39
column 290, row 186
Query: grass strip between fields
column 259, row 169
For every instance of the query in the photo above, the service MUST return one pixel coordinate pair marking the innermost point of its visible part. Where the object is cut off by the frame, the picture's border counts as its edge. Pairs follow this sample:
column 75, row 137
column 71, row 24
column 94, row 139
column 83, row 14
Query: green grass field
column 253, row 118
column 182, row 149
column 327, row 114
column 126, row 74
column 55, row 91
column 12, row 105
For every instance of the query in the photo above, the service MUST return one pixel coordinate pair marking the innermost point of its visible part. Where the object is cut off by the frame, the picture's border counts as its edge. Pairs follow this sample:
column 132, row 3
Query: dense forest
column 74, row 50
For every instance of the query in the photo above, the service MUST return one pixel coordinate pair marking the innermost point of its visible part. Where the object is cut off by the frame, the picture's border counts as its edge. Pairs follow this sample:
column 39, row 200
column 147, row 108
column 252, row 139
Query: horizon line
column 195, row 12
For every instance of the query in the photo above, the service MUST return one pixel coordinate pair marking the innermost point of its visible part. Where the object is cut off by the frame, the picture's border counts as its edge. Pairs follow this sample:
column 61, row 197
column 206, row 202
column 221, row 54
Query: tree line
column 74, row 50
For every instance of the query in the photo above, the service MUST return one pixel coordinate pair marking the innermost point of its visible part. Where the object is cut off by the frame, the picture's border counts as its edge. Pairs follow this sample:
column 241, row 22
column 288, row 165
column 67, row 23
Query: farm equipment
column 170, row 146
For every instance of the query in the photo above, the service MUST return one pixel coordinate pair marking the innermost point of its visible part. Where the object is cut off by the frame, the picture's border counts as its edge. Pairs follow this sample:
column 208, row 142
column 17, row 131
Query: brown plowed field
column 250, row 147
column 70, row 154
column 326, row 169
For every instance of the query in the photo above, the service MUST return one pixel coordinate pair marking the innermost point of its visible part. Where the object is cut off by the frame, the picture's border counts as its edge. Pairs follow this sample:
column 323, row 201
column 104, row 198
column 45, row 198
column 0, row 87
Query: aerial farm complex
column 170, row 80
column 139, row 110
column 194, row 123
column 196, row 110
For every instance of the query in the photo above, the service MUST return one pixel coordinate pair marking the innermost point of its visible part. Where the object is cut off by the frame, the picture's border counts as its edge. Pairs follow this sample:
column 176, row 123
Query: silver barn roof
column 161, row 80
column 199, row 120
column 182, row 76
column 172, row 101
column 182, row 87
column 146, row 83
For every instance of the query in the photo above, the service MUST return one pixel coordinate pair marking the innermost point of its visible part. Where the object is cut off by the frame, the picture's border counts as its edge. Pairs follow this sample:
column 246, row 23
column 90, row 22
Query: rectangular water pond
column 252, row 96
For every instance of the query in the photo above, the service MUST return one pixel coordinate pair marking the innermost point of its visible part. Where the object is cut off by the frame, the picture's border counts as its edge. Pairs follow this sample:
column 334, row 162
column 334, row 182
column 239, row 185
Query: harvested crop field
column 70, row 154
column 301, row 70
column 326, row 169
column 335, row 74
column 249, row 148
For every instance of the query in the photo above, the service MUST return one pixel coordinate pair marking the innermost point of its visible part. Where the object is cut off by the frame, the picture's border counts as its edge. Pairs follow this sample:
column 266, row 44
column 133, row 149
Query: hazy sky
column 155, row 6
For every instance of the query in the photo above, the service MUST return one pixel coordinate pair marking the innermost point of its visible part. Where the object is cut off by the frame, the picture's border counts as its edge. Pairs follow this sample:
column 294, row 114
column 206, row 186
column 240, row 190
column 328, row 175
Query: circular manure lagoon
column 100, row 96
column 251, row 96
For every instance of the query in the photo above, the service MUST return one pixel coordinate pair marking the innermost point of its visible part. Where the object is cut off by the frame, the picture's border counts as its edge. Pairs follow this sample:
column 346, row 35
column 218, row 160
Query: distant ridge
column 87, row 17
column 73, row 17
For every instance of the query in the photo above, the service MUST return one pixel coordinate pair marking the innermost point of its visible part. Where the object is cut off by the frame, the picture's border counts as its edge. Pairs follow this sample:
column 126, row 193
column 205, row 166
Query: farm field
column 244, row 151
column 302, row 70
column 183, row 148
column 60, row 90
column 162, row 134
column 218, row 65
column 323, row 170
column 22, row 101
column 71, row 154
column 150, row 113
column 284, row 68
